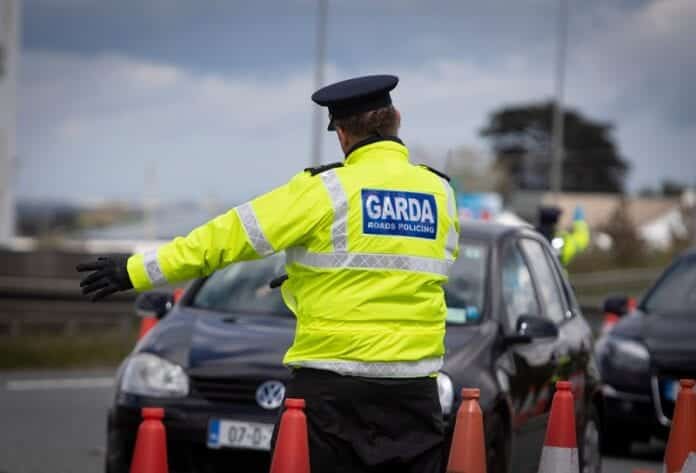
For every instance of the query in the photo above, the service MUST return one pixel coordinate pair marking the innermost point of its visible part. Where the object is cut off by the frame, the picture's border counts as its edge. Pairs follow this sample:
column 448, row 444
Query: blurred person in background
column 567, row 244
column 369, row 242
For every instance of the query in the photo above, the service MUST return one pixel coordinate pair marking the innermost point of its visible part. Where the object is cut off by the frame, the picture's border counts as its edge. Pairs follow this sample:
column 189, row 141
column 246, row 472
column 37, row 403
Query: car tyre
column 497, row 444
column 616, row 443
column 115, row 460
column 590, row 443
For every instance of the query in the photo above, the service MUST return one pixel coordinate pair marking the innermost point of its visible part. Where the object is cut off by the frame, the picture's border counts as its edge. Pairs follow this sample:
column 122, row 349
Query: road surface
column 55, row 422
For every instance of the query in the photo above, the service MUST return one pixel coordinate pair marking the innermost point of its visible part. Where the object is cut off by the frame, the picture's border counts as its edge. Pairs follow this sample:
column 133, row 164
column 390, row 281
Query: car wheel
column 590, row 452
column 115, row 460
column 616, row 442
column 497, row 444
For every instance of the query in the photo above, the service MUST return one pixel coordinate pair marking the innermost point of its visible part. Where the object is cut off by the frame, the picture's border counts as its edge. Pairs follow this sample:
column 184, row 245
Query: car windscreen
column 465, row 290
column 243, row 288
column 676, row 292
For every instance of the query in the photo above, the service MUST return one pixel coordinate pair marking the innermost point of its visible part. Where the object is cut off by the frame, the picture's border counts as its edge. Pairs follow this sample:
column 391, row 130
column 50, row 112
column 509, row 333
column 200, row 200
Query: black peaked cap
column 549, row 215
column 357, row 95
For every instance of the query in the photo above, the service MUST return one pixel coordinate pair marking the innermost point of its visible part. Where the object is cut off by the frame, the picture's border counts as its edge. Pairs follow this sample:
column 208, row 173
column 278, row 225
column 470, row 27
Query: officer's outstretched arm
column 258, row 228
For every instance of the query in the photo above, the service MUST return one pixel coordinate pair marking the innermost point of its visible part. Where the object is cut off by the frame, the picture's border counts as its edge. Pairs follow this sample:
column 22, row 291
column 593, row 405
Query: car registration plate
column 236, row 434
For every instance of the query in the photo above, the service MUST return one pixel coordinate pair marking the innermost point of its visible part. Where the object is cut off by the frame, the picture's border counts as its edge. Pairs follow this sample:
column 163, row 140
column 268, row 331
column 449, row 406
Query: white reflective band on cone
column 392, row 369
column 559, row 460
column 368, row 261
column 690, row 464
column 152, row 268
column 253, row 229
column 339, row 229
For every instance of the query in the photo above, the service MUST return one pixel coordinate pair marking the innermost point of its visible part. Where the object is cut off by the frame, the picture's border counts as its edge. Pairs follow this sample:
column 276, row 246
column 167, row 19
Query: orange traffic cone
column 145, row 325
column 682, row 435
column 560, row 453
column 291, row 454
column 468, row 454
column 150, row 455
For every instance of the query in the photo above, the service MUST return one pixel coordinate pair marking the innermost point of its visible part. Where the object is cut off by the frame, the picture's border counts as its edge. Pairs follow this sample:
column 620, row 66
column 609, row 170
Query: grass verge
column 60, row 351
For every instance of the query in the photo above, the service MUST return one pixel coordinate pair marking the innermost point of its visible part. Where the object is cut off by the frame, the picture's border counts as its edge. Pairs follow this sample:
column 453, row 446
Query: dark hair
column 383, row 122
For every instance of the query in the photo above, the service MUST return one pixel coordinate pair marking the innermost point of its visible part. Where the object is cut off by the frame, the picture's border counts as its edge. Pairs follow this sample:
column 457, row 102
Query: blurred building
column 9, row 61
column 657, row 220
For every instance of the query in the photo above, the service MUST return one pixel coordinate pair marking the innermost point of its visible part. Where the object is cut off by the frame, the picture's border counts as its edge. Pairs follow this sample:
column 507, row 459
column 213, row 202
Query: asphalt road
column 55, row 423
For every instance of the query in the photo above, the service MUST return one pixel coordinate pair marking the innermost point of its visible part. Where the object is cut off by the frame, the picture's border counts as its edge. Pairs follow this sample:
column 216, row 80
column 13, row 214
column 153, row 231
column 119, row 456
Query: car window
column 465, row 290
column 518, row 291
column 243, row 288
column 676, row 292
column 547, row 284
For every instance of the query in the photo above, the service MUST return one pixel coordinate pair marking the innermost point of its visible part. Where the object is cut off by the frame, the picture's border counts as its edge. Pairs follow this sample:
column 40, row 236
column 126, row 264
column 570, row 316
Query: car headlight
column 149, row 375
column 627, row 355
column 446, row 392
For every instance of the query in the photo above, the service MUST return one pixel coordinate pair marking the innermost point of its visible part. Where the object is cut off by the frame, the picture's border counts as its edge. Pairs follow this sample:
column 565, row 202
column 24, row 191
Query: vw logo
column 270, row 394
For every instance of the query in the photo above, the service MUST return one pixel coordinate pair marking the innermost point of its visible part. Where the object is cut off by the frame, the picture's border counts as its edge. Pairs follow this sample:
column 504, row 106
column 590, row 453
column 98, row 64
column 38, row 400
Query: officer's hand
column 109, row 275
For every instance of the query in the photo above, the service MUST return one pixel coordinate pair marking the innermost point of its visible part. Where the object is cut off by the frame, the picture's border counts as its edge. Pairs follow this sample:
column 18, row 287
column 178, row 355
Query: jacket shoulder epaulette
column 324, row 167
column 435, row 171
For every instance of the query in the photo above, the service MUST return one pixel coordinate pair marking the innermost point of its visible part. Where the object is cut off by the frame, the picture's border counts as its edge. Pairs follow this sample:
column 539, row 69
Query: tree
column 628, row 247
column 520, row 137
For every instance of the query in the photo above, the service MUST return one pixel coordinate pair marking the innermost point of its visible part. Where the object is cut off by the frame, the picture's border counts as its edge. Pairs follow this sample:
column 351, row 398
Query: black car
column 644, row 355
column 214, row 361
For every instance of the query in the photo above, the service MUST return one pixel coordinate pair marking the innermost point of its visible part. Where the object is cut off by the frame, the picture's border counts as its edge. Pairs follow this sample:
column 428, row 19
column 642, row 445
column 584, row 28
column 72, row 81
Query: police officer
column 567, row 244
column 368, row 242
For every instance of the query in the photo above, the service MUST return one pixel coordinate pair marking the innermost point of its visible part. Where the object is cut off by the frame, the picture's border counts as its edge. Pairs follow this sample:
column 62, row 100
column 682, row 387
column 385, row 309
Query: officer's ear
column 343, row 139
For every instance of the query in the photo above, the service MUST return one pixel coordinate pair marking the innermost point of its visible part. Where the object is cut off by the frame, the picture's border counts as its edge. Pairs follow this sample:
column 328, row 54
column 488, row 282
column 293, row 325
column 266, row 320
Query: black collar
column 370, row 140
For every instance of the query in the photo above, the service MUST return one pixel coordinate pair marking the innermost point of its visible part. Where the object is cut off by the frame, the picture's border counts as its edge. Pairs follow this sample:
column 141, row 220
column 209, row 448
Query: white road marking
column 63, row 383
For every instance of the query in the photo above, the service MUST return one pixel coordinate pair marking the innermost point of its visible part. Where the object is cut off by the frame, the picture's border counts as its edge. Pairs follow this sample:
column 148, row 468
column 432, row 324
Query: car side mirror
column 531, row 327
column 154, row 304
column 617, row 304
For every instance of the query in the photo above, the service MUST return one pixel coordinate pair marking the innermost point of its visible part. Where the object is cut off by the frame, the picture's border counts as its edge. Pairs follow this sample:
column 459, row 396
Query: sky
column 180, row 100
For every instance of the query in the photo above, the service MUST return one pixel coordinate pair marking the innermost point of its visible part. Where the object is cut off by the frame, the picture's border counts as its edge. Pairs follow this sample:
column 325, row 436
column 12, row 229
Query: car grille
column 232, row 390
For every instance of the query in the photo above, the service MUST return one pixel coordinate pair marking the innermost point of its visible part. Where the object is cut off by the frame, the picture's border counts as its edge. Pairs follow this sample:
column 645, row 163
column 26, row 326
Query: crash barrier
column 291, row 453
column 467, row 453
column 680, row 455
column 150, row 454
column 560, row 452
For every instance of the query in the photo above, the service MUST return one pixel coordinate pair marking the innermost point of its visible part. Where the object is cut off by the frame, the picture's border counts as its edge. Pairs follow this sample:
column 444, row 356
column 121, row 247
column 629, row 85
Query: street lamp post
column 558, row 125
column 319, row 67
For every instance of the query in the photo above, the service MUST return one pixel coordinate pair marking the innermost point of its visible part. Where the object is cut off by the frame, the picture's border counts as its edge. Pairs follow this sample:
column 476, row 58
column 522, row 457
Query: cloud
column 91, row 124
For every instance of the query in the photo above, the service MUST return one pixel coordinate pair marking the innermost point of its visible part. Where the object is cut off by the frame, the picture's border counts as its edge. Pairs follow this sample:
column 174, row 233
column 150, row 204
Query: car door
column 574, row 344
column 527, row 367
column 570, row 351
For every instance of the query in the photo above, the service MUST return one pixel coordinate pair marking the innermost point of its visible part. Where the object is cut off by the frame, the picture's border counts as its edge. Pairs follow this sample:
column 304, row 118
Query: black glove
column 110, row 274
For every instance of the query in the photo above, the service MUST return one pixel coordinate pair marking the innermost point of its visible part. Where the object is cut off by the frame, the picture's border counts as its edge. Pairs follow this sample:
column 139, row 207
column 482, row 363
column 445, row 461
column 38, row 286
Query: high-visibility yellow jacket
column 569, row 243
column 368, row 246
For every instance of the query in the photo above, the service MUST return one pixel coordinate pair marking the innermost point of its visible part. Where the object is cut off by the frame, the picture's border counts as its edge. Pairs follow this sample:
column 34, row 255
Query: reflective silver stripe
column 368, row 261
column 451, row 203
column 559, row 460
column 253, row 229
column 383, row 369
column 339, row 229
column 152, row 268
column 452, row 237
column 690, row 464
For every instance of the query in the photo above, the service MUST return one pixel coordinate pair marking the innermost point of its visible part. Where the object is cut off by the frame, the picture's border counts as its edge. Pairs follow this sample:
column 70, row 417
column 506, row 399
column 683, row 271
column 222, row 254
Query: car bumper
column 186, row 426
column 637, row 415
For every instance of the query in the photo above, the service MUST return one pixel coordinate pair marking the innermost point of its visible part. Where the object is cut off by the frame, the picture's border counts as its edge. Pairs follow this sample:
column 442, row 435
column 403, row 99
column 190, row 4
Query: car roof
column 489, row 231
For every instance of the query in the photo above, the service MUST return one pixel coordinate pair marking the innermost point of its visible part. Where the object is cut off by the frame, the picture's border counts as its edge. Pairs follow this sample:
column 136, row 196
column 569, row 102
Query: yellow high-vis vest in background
column 369, row 245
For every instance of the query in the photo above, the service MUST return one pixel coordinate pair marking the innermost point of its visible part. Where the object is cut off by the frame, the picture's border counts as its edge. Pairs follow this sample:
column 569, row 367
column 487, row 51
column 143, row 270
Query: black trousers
column 370, row 425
